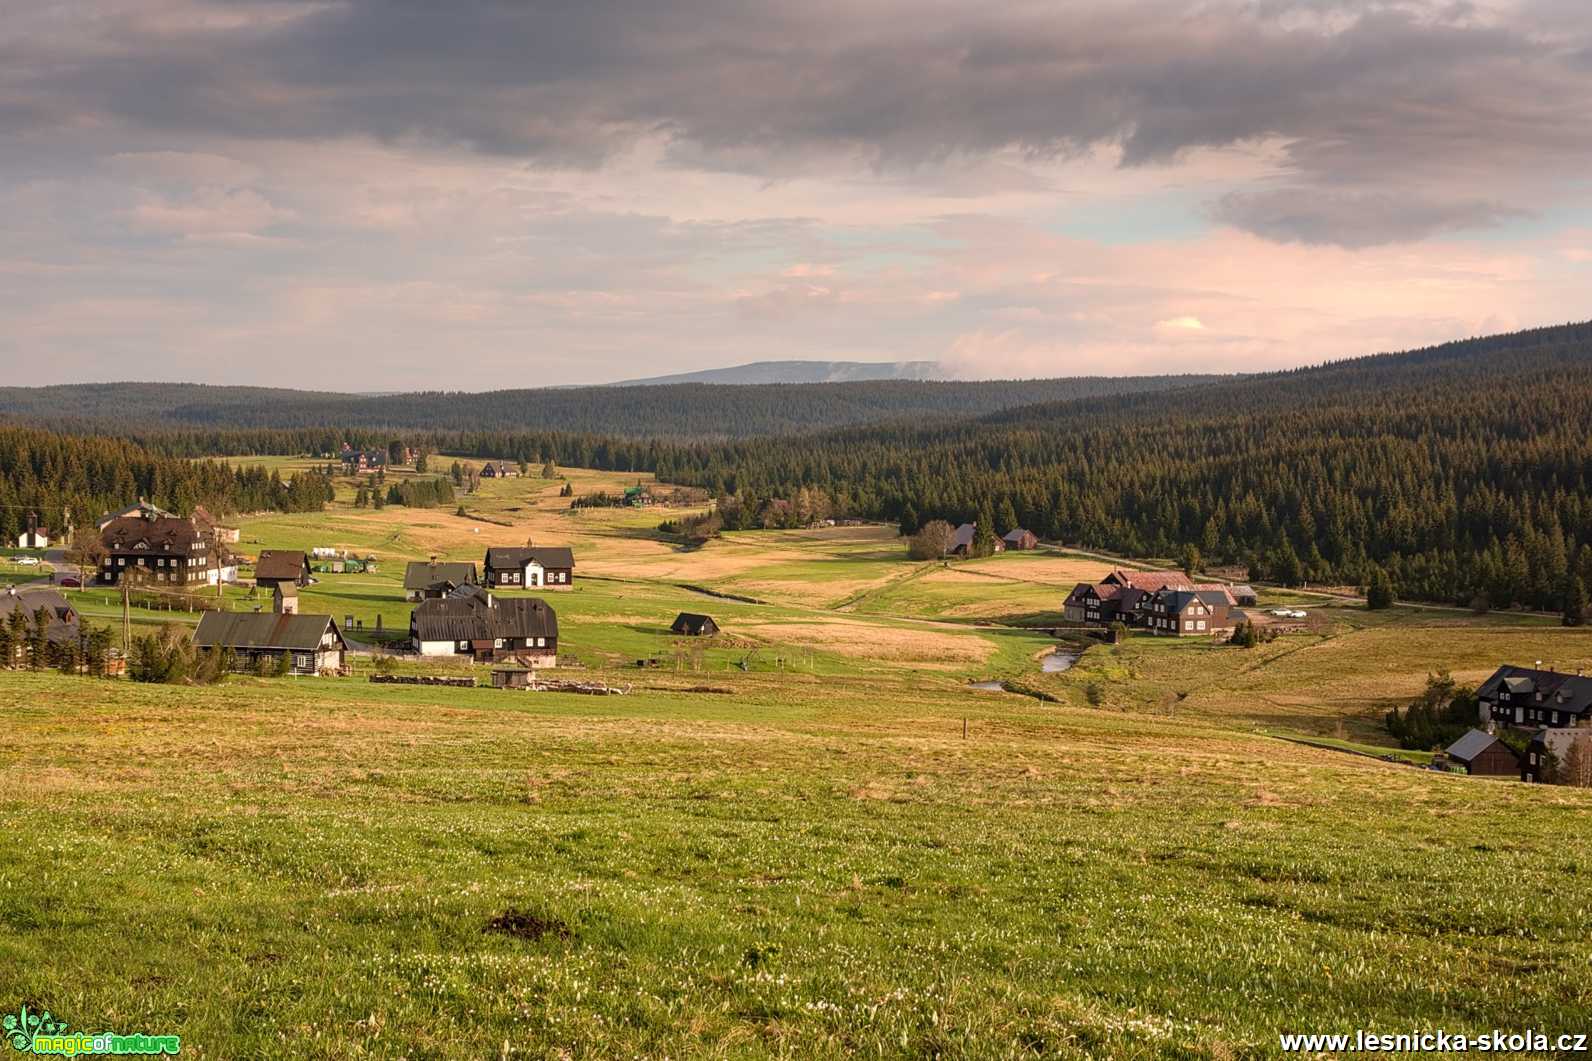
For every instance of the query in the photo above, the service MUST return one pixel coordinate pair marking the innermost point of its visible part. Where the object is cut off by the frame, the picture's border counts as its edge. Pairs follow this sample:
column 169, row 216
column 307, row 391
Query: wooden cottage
column 281, row 565
column 1529, row 698
column 312, row 644
column 692, row 624
column 540, row 567
column 429, row 580
column 1020, row 539
column 472, row 622
column 1483, row 754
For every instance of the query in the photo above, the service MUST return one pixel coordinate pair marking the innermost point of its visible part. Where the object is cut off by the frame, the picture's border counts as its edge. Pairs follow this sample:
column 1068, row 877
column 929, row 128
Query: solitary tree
column 1191, row 560
column 1379, row 590
column 909, row 521
column 984, row 532
column 87, row 552
column 1574, row 601
column 932, row 541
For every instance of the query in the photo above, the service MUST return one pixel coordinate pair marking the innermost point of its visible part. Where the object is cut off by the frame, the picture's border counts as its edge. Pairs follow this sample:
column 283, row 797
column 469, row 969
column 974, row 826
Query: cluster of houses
column 962, row 540
column 1555, row 708
column 1162, row 602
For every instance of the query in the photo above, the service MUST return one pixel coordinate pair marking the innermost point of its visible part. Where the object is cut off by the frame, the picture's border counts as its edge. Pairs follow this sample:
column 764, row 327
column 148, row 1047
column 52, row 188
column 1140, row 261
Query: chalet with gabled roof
column 1529, row 697
column 428, row 580
column 282, row 565
column 1483, row 754
column 1020, row 539
column 1178, row 612
column 311, row 644
column 530, row 567
column 471, row 621
column 694, row 624
column 162, row 550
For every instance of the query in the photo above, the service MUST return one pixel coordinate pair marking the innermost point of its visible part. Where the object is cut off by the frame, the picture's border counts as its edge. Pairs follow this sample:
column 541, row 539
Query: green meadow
column 808, row 837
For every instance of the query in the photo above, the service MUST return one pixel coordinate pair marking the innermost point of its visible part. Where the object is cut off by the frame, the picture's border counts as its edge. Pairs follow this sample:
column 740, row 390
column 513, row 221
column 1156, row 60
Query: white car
column 26, row 561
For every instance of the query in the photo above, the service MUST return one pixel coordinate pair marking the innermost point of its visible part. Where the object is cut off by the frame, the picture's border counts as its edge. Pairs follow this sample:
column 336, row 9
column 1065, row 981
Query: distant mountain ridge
column 799, row 372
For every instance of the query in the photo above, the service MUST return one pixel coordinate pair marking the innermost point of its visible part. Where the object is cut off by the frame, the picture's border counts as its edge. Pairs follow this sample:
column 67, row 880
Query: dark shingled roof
column 423, row 575
column 264, row 630
column 63, row 625
column 513, row 559
column 692, row 623
column 286, row 564
column 469, row 617
column 1570, row 693
column 1472, row 744
column 162, row 533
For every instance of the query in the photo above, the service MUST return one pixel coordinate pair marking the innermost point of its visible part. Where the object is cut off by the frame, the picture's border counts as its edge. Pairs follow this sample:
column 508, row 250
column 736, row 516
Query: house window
column 464, row 646
column 1202, row 624
column 1533, row 758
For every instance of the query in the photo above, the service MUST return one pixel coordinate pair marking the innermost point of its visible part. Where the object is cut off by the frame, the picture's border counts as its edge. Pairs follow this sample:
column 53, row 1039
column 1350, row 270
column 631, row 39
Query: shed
column 512, row 678
column 691, row 624
column 1020, row 539
column 1483, row 754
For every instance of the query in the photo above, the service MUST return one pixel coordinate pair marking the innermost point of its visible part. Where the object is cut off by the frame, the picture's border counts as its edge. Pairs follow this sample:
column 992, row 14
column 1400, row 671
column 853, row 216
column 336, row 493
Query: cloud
column 1354, row 219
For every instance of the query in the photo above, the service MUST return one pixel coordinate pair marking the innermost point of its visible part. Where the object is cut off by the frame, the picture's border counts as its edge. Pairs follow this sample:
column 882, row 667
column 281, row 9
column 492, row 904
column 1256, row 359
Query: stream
column 1053, row 662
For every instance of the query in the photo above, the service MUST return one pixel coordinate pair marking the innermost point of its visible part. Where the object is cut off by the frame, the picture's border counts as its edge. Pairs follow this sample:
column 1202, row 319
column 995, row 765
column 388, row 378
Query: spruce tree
column 909, row 521
column 1574, row 601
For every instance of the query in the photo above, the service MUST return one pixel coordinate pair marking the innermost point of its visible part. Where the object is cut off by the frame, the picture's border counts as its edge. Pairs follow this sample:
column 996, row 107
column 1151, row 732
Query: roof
column 1471, row 745
column 1241, row 590
column 1179, row 599
column 481, row 617
column 964, row 536
column 287, row 564
column 142, row 508
column 1149, row 580
column 692, row 621
column 423, row 575
column 29, row 599
column 159, row 533
column 264, row 630
column 1570, row 693
column 511, row 559
column 1018, row 535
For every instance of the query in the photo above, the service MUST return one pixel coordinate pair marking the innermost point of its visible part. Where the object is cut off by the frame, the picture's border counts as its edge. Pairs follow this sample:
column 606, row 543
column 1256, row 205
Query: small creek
column 1053, row 662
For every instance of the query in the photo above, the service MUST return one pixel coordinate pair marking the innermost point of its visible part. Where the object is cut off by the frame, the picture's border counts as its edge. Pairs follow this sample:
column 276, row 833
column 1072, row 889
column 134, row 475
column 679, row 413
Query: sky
column 482, row 194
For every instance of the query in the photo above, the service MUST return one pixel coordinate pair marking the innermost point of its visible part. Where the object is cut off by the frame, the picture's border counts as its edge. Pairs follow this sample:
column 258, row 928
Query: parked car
column 71, row 582
column 26, row 561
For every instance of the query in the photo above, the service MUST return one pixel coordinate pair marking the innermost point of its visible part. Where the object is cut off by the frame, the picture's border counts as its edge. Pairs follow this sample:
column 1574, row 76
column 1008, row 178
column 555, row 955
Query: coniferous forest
column 1459, row 473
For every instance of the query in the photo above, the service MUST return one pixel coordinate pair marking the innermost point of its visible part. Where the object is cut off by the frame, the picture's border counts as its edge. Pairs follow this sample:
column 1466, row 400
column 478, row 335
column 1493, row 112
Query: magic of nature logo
column 40, row 1032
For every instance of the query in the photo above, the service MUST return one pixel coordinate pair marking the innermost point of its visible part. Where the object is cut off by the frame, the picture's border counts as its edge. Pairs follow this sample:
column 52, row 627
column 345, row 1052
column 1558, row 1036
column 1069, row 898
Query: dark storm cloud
column 1359, row 92
column 1353, row 219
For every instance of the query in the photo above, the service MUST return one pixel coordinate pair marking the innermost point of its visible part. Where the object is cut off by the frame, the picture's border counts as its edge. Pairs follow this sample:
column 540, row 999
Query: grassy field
column 806, row 838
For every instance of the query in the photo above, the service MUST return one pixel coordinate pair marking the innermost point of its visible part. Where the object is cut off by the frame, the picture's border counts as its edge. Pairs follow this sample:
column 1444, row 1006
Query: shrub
column 932, row 541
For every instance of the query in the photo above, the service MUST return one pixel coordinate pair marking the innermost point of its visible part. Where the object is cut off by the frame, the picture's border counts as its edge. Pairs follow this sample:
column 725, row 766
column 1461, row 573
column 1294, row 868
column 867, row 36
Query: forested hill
column 1465, row 470
column 683, row 411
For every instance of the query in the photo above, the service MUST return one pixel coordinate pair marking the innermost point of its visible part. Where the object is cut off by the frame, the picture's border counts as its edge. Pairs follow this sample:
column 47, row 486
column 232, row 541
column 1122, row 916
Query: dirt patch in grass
column 525, row 924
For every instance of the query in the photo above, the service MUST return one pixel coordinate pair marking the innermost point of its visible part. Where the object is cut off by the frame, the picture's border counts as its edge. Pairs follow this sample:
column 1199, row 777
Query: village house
column 962, row 540
column 531, row 567
column 163, row 549
column 1552, row 751
column 61, row 619
column 693, row 624
column 1530, row 697
column 311, row 644
column 500, row 470
column 1483, row 754
column 428, row 580
column 1020, row 539
column 282, row 565
column 363, row 462
column 1189, row 612
column 470, row 621
column 1127, row 597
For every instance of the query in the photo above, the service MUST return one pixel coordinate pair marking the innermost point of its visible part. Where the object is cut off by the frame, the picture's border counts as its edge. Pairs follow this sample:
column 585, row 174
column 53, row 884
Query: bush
column 932, row 541
column 1438, row 717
